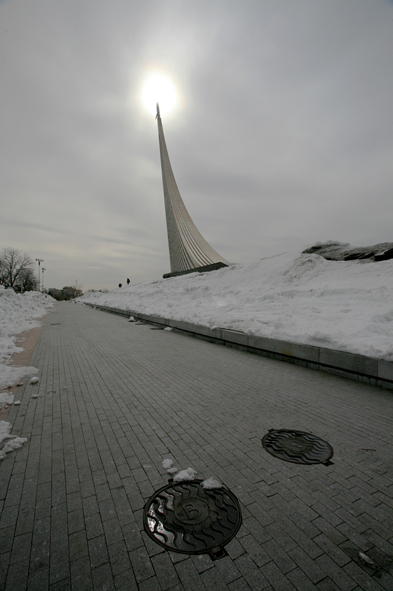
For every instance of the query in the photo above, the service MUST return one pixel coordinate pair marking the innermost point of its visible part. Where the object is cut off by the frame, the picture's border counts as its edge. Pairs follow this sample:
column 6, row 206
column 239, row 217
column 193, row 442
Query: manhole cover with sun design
column 297, row 447
column 187, row 518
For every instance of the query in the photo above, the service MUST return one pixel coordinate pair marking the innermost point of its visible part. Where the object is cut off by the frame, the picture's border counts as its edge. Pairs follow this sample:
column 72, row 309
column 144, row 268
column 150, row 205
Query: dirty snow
column 11, row 442
column 294, row 296
column 6, row 399
column 18, row 313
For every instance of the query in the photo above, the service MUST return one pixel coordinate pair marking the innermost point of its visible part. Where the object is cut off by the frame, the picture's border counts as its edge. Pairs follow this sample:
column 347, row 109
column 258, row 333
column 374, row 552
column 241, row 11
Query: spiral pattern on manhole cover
column 297, row 447
column 187, row 518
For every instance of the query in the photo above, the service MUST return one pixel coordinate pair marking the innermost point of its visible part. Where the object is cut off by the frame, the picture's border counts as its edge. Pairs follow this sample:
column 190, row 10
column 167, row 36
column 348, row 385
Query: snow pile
column 295, row 296
column 12, row 443
column 17, row 314
column 167, row 464
column 210, row 483
column 6, row 399
column 188, row 474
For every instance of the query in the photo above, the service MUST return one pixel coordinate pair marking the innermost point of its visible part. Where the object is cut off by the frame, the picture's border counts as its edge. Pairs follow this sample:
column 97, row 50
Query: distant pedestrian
column 128, row 281
column 119, row 284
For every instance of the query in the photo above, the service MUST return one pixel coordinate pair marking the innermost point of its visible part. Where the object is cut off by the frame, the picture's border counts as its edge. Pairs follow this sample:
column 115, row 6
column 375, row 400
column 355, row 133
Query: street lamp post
column 39, row 261
column 42, row 286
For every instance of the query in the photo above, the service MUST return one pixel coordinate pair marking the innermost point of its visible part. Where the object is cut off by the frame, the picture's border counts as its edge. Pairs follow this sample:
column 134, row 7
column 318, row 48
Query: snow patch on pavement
column 11, row 442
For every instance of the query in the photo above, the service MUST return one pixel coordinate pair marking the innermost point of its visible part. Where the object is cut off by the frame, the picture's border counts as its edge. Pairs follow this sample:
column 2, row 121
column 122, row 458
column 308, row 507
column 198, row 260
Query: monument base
column 204, row 269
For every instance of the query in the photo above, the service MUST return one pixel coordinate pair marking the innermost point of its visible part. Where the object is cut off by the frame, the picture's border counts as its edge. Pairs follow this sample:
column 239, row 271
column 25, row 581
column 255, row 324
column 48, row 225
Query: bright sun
column 158, row 89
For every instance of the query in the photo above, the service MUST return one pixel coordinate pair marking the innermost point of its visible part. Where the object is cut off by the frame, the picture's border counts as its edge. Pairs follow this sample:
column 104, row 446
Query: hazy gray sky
column 283, row 135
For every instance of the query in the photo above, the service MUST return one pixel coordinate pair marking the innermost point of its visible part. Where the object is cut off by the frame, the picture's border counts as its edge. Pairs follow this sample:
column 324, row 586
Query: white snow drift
column 17, row 314
column 303, row 298
column 12, row 442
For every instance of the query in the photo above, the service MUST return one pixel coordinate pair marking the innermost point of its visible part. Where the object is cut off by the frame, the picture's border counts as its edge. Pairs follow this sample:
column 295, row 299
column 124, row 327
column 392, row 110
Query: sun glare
column 158, row 89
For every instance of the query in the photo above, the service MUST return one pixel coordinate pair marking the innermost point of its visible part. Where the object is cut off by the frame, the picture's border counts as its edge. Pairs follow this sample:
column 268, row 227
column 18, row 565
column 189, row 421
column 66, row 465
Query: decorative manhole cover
column 187, row 518
column 297, row 447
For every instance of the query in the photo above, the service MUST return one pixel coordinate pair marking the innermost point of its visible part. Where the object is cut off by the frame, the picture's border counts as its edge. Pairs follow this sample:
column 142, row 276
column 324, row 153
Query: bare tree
column 16, row 269
column 73, row 291
column 27, row 282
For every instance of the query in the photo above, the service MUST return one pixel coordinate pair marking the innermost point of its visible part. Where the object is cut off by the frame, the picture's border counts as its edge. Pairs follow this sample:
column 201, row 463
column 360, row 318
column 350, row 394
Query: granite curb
column 368, row 370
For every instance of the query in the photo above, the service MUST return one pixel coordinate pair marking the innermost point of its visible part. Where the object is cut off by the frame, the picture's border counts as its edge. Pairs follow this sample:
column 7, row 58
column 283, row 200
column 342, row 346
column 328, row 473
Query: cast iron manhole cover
column 297, row 447
column 187, row 518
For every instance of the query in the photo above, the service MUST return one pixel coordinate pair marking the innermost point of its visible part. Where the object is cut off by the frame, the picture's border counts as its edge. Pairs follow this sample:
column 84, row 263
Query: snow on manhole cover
column 297, row 447
column 187, row 518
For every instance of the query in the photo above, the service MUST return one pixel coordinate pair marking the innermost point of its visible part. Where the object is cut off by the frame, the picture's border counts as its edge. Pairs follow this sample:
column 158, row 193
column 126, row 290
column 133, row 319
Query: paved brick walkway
column 116, row 398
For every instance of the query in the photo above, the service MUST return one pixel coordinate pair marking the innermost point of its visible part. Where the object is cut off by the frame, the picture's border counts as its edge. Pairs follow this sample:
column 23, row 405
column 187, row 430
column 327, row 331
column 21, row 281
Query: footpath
column 116, row 398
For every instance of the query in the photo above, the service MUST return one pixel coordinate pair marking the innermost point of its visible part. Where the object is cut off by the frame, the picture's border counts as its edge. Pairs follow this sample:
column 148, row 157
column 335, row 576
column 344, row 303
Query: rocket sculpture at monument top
column 188, row 250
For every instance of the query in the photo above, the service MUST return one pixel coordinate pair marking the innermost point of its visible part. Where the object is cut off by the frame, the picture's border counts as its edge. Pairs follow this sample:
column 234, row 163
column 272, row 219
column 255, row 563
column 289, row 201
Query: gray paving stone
column 98, row 551
column 38, row 578
column 81, row 574
column 121, row 398
column 226, row 567
column 112, row 530
column 327, row 585
column 239, row 585
column 132, row 536
column 332, row 550
column 21, row 548
column 4, row 562
column 151, row 584
column 165, row 570
column 103, row 578
column 17, row 576
column 141, row 564
column 213, row 580
column 188, row 576
column 78, row 545
column 126, row 581
column 59, row 566
column 335, row 573
column 64, row 585
column 6, row 539
column 9, row 516
column 280, row 557
column 276, row 578
column 300, row 581
column 253, row 575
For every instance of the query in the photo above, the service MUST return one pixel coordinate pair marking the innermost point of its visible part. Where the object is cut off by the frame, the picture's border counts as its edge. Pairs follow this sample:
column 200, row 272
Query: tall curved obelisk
column 188, row 250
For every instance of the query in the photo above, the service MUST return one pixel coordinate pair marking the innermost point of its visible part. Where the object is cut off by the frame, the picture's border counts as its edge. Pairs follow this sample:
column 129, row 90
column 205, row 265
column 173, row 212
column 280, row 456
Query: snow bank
column 17, row 314
column 304, row 298
column 11, row 441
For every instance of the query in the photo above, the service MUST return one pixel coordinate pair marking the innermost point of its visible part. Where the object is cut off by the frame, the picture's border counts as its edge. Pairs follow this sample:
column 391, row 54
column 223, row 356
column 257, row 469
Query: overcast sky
column 283, row 135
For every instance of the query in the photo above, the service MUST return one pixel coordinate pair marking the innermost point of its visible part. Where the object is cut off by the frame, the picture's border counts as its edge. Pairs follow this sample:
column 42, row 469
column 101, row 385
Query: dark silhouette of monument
column 188, row 250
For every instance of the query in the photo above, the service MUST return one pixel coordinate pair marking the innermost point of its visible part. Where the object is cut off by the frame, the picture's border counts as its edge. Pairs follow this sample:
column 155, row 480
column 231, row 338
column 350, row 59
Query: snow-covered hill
column 301, row 297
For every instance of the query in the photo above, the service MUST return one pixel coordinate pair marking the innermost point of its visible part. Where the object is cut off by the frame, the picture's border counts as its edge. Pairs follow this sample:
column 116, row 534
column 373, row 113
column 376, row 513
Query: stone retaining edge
column 369, row 370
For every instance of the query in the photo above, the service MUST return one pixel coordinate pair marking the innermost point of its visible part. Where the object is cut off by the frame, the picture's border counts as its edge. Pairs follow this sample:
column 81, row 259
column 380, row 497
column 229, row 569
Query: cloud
column 283, row 135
